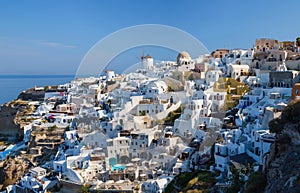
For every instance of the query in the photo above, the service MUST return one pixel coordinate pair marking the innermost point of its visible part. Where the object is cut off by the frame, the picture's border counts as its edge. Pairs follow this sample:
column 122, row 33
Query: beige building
column 287, row 45
column 264, row 44
column 185, row 62
column 219, row 53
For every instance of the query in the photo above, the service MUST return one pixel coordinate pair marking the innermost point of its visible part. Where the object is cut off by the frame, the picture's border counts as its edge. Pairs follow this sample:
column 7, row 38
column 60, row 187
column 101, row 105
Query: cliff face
column 283, row 172
column 8, row 127
column 33, row 95
column 12, row 170
column 13, row 118
column 283, row 167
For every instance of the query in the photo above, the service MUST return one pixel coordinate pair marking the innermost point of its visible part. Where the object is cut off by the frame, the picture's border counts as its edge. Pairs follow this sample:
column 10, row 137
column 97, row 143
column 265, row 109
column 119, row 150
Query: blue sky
column 52, row 37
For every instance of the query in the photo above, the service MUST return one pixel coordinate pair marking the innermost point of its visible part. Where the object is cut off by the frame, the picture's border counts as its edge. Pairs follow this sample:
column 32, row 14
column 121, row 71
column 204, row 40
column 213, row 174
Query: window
column 297, row 91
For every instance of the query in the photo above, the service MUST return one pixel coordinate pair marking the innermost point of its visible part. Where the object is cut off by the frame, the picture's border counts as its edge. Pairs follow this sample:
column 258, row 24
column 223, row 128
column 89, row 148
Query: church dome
column 184, row 55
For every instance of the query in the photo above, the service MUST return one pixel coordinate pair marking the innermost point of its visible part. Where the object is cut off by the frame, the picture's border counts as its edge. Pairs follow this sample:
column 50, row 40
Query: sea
column 12, row 85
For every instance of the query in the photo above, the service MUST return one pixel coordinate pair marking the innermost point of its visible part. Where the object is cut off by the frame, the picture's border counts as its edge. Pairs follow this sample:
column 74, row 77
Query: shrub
column 170, row 89
column 256, row 183
column 84, row 189
column 68, row 128
column 291, row 112
column 284, row 139
column 142, row 113
column 276, row 125
column 192, row 182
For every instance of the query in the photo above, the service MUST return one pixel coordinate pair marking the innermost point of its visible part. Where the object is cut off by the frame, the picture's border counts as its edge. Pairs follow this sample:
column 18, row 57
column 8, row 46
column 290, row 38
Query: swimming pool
column 117, row 167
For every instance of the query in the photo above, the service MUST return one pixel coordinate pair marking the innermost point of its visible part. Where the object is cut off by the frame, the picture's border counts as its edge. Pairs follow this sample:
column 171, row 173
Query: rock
column 283, row 165
column 11, row 170
column 12, row 119
column 32, row 95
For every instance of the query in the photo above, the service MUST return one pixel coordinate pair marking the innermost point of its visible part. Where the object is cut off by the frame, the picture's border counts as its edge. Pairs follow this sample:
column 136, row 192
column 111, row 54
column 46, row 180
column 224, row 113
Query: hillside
column 283, row 165
column 12, row 119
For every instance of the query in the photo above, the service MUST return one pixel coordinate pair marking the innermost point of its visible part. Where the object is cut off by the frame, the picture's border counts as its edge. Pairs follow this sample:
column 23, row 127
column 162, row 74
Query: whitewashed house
column 36, row 181
column 240, row 56
column 118, row 148
column 229, row 147
column 95, row 139
column 147, row 107
column 212, row 76
column 185, row 62
column 217, row 99
column 156, row 186
column 71, row 138
column 235, row 71
column 155, row 88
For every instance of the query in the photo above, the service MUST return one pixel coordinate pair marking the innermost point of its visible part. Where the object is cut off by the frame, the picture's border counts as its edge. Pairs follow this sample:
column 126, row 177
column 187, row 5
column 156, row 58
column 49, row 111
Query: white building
column 95, row 139
column 147, row 62
column 235, row 71
column 155, row 88
column 212, row 76
column 118, row 148
column 146, row 107
column 240, row 56
column 185, row 62
column 156, row 186
column 110, row 74
column 36, row 181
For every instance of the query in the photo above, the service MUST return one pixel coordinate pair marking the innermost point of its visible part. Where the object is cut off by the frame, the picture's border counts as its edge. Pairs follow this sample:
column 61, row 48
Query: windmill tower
column 147, row 62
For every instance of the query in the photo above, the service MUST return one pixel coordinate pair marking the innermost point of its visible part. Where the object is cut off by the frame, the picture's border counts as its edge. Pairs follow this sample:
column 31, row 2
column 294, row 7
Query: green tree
column 256, row 183
column 84, row 189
